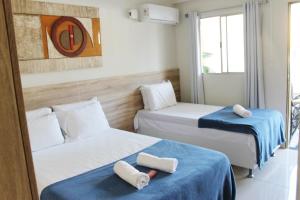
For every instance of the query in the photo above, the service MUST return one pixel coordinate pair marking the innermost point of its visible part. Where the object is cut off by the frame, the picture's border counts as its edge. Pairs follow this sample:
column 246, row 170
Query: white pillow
column 44, row 132
column 34, row 114
column 72, row 106
column 145, row 97
column 83, row 122
column 159, row 96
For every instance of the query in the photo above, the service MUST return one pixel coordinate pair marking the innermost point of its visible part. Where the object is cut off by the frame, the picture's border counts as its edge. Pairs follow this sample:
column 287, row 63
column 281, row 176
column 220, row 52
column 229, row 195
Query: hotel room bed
column 84, row 169
column 181, row 123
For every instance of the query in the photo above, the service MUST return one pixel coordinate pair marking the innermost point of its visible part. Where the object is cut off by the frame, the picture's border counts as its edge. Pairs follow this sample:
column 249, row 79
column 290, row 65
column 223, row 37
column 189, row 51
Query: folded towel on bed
column 164, row 164
column 131, row 175
column 241, row 111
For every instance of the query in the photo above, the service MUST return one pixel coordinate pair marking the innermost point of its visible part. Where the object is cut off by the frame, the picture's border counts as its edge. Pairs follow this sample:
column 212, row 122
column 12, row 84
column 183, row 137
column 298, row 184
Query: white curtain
column 255, row 95
column 195, row 63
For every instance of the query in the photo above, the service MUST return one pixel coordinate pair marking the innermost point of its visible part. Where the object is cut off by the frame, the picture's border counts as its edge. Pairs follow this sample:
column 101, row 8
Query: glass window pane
column 224, row 43
column 235, row 39
column 210, row 45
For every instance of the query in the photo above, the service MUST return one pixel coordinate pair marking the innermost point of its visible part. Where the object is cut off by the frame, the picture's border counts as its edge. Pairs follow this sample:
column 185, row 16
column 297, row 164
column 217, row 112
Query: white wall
column 129, row 47
column 275, row 48
column 224, row 89
column 275, row 40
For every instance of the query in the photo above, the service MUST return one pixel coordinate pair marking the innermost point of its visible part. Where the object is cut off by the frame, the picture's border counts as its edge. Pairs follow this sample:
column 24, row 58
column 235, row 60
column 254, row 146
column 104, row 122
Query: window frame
column 221, row 13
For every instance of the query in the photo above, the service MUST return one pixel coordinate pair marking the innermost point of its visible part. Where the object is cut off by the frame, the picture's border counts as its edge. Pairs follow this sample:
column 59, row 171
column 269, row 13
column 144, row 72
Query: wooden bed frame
column 119, row 96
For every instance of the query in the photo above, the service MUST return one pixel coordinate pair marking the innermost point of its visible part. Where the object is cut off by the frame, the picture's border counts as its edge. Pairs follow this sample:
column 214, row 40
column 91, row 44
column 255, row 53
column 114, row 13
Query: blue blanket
column 267, row 127
column 201, row 174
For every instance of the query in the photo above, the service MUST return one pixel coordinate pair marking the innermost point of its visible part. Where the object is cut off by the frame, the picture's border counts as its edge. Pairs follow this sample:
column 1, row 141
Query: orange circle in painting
column 69, row 36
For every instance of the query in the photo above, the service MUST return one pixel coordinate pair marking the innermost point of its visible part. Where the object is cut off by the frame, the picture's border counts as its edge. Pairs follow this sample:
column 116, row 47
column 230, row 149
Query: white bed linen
column 180, row 123
column 71, row 159
column 182, row 113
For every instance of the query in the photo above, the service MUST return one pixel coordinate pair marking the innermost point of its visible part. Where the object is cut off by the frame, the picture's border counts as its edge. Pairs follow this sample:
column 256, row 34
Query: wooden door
column 16, row 170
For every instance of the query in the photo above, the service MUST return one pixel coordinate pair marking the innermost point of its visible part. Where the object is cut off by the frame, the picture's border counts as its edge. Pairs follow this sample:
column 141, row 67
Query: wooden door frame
column 19, row 96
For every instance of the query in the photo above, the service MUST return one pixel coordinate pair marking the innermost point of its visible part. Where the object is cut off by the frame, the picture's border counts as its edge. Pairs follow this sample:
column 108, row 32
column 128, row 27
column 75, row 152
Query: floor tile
column 251, row 189
column 277, row 179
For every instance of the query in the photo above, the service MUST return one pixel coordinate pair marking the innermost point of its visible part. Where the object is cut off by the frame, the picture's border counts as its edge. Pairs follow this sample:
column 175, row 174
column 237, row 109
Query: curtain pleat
column 195, row 64
column 255, row 95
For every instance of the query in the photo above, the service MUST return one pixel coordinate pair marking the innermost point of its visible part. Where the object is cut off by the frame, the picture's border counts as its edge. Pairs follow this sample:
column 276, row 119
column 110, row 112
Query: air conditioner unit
column 159, row 14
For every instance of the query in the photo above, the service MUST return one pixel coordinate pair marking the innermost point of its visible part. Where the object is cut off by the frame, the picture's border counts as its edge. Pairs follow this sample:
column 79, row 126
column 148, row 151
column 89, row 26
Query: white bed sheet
column 182, row 113
column 65, row 161
column 180, row 123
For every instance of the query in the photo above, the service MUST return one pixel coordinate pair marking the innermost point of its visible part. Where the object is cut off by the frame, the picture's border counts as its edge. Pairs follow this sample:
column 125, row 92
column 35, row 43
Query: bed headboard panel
column 119, row 96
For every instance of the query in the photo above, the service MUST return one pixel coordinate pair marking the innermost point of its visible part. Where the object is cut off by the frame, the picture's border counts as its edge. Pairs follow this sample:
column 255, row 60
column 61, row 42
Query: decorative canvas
column 70, row 37
column 48, row 42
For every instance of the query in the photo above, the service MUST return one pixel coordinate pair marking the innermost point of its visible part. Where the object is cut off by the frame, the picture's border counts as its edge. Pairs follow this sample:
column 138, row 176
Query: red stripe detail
column 152, row 174
column 71, row 36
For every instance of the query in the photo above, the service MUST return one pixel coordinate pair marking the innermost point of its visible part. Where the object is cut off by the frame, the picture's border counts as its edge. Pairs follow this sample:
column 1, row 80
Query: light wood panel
column 119, row 96
column 45, row 8
column 17, row 178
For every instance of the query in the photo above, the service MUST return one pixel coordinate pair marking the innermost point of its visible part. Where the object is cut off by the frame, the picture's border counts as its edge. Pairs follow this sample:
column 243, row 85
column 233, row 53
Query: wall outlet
column 133, row 14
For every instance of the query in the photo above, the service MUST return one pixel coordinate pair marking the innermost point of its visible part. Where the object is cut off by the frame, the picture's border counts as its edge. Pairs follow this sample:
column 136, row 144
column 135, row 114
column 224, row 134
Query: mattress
column 183, row 113
column 71, row 159
column 180, row 123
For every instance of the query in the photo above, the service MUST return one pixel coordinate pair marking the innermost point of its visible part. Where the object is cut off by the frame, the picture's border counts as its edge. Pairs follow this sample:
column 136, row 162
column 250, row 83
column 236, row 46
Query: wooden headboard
column 119, row 96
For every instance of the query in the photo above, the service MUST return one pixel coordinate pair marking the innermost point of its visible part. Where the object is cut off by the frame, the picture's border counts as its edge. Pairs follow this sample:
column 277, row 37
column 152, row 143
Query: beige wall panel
column 56, row 65
column 28, row 37
column 42, row 8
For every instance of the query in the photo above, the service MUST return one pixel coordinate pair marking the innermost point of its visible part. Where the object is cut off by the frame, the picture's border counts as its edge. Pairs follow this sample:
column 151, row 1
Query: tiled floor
column 276, row 181
column 294, row 140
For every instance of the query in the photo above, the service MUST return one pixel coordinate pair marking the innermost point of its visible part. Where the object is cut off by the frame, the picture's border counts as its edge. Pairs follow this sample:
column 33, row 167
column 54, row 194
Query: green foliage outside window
column 204, row 56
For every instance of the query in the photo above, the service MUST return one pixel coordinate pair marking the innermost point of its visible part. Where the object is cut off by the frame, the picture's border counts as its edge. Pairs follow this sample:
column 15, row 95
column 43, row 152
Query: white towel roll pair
column 241, row 111
column 139, row 179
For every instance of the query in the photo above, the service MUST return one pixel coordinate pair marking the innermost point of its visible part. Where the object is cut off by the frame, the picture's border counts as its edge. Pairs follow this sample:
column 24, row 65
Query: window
column 222, row 44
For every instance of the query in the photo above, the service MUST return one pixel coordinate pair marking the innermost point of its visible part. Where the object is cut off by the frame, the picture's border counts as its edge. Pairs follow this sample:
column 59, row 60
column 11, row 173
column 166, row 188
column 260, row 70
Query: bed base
column 273, row 154
column 250, row 175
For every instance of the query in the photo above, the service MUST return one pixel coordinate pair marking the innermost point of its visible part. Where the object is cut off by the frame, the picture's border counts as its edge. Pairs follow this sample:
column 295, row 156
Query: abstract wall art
column 49, row 42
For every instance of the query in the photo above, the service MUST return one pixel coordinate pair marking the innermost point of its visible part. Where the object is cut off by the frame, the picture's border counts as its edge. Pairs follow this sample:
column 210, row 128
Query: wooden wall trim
column 44, row 8
column 119, row 96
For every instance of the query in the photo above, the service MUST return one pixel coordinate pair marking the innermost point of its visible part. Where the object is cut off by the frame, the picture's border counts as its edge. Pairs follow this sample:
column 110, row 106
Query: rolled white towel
column 241, row 111
column 163, row 164
column 131, row 175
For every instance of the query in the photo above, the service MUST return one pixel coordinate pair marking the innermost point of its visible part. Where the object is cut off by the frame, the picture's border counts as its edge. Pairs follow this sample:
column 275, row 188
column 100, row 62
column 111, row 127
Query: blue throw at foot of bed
column 201, row 174
column 267, row 126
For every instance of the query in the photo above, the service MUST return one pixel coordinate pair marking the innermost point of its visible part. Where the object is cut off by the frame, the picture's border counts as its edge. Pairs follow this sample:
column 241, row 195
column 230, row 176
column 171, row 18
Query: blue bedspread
column 267, row 126
column 201, row 174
